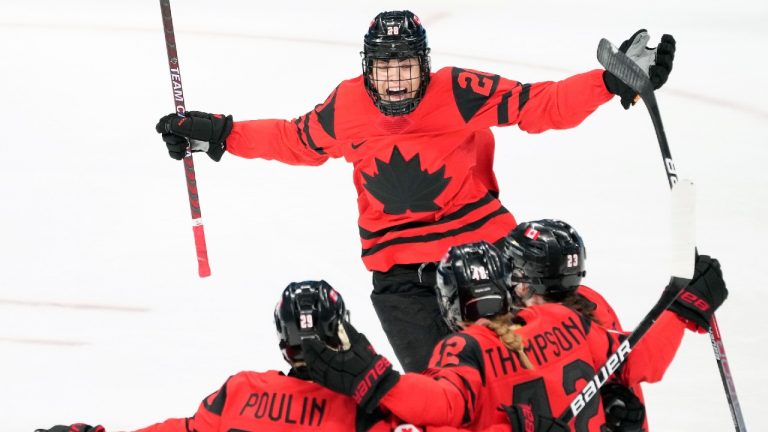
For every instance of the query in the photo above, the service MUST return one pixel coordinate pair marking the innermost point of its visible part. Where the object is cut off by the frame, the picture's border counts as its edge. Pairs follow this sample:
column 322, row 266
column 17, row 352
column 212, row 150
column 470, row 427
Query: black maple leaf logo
column 402, row 185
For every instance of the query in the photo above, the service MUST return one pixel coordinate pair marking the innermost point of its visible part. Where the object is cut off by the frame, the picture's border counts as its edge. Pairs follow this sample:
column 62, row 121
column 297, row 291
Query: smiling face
column 396, row 79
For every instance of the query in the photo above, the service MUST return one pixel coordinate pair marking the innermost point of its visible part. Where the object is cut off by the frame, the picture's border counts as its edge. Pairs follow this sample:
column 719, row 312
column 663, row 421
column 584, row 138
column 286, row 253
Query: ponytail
column 502, row 326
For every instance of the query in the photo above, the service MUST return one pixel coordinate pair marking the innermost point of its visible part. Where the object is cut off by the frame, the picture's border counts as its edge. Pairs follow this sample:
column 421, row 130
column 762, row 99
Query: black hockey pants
column 405, row 300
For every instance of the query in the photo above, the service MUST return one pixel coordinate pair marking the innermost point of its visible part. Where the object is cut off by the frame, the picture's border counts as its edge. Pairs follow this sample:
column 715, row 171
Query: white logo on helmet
column 407, row 428
column 479, row 273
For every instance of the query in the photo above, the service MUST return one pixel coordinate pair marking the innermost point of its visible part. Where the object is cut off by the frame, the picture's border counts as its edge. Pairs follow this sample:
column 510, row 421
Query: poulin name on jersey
column 280, row 407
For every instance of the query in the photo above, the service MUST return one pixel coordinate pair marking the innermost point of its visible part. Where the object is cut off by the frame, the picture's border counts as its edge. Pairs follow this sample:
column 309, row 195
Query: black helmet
column 547, row 254
column 395, row 35
column 471, row 283
column 308, row 309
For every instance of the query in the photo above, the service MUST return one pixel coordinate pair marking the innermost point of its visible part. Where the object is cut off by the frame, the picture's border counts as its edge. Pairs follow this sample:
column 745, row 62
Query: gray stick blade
column 682, row 255
column 617, row 63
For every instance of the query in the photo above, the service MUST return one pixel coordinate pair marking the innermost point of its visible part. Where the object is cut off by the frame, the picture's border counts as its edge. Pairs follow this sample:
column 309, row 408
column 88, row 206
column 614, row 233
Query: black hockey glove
column 77, row 427
column 703, row 295
column 204, row 132
column 358, row 372
column 524, row 419
column 623, row 410
column 656, row 62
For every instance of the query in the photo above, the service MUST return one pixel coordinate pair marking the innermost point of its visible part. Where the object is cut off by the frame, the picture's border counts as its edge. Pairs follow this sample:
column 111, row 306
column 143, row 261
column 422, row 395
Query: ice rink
column 102, row 316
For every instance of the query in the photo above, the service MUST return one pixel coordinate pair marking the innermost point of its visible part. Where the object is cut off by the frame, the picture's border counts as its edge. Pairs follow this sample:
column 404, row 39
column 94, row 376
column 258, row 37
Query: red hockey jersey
column 605, row 315
column 271, row 401
column 424, row 180
column 472, row 373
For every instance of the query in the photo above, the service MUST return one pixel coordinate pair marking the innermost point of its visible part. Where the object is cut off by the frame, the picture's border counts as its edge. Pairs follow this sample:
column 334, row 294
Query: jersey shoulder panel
column 471, row 89
column 458, row 349
column 603, row 313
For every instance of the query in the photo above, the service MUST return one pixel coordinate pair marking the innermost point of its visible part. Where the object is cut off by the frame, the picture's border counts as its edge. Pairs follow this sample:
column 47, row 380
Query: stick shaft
column 203, row 268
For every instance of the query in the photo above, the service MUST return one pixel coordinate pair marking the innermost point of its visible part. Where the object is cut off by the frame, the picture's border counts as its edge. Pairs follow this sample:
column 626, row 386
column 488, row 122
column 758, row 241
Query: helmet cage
column 396, row 35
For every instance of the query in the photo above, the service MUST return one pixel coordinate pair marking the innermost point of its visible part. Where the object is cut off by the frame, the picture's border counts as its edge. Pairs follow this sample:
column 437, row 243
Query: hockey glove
column 358, row 372
column 524, row 419
column 77, row 427
column 201, row 131
column 656, row 62
column 623, row 410
column 703, row 295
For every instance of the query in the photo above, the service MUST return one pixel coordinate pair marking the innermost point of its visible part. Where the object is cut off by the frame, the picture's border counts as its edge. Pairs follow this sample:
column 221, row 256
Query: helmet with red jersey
column 395, row 35
column 309, row 309
column 471, row 284
column 546, row 254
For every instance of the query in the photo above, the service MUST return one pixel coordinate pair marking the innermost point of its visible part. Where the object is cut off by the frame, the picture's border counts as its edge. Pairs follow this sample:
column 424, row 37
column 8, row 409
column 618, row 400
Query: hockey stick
column 682, row 260
column 203, row 269
column 615, row 62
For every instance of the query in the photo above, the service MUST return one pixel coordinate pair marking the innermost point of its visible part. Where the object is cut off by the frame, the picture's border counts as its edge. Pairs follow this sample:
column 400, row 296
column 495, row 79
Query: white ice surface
column 102, row 316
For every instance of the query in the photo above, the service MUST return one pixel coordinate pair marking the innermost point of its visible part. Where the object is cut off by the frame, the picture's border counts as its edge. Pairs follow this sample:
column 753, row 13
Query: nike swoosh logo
column 356, row 146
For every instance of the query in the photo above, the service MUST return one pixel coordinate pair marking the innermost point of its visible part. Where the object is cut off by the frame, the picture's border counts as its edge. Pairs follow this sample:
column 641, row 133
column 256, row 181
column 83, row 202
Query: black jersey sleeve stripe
column 525, row 93
column 458, row 214
column 469, row 405
column 217, row 406
column 472, row 402
column 436, row 236
column 327, row 115
column 586, row 323
column 310, row 141
column 503, row 108
column 297, row 122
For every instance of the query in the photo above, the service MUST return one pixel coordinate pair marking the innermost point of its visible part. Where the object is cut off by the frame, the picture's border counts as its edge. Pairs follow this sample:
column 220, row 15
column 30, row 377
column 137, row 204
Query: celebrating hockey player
column 549, row 256
column 545, row 355
column 422, row 154
column 272, row 401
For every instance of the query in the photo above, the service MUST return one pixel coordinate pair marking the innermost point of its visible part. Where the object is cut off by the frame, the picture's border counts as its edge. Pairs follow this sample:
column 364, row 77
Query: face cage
column 401, row 107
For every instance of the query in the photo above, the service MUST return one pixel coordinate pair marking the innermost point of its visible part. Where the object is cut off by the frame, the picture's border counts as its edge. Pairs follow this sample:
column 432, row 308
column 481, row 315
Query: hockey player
column 544, row 356
column 549, row 256
column 419, row 145
column 273, row 401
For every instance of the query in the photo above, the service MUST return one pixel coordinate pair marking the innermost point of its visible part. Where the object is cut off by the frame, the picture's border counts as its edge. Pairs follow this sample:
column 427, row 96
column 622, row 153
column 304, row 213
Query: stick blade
column 683, row 230
column 617, row 63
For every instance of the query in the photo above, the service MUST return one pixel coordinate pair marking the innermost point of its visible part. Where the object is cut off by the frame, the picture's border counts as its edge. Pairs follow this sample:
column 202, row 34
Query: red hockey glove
column 523, row 419
column 358, row 372
column 204, row 132
column 703, row 295
column 76, row 427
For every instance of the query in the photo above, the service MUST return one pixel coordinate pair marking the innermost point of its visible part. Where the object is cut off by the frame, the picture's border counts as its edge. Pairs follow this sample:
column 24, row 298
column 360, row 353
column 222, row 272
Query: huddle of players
column 528, row 336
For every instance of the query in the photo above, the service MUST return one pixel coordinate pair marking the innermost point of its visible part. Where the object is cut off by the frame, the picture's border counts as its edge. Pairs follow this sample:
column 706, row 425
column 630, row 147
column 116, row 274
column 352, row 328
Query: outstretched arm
column 206, row 419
